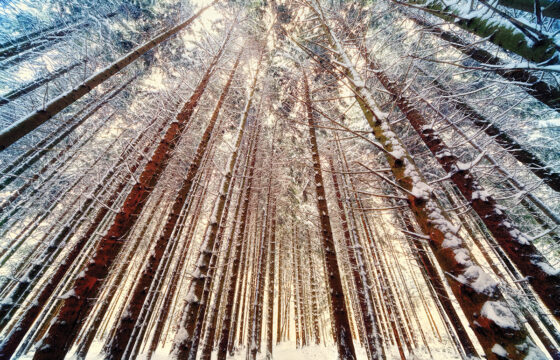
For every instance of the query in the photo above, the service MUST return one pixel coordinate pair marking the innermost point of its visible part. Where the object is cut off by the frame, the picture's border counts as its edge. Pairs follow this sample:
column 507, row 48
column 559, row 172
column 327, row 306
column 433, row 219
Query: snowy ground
column 288, row 351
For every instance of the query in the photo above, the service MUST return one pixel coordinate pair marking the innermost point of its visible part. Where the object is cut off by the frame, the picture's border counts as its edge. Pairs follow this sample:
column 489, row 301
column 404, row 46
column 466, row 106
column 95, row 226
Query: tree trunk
column 508, row 38
column 76, row 307
column 29, row 87
column 183, row 343
column 26, row 321
column 228, row 313
column 222, row 283
column 175, row 276
column 541, row 90
column 22, row 127
column 271, row 292
column 342, row 325
column 532, row 264
column 475, row 291
column 361, row 281
column 118, row 346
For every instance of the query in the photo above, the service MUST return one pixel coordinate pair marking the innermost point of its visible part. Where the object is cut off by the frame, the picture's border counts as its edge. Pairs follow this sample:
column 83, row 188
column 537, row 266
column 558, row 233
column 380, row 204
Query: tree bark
column 226, row 273
column 374, row 347
column 342, row 325
column 271, row 292
column 235, row 268
column 26, row 321
column 523, row 253
column 75, row 308
column 539, row 89
column 184, row 341
column 513, row 39
column 450, row 251
column 22, row 127
column 118, row 346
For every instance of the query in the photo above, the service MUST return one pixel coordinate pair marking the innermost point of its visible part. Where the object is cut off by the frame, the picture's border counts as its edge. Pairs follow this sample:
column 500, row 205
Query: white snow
column 463, row 257
column 480, row 194
column 421, row 190
column 548, row 269
column 191, row 296
column 67, row 295
column 451, row 241
column 469, row 165
column 499, row 350
column 443, row 153
column 398, row 153
column 477, row 278
column 288, row 351
column 498, row 312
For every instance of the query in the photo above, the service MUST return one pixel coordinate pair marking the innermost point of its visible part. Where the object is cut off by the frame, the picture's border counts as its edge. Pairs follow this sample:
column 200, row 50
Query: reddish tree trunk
column 340, row 314
column 10, row 344
column 175, row 277
column 126, row 324
column 532, row 264
column 76, row 307
column 183, row 343
column 235, row 268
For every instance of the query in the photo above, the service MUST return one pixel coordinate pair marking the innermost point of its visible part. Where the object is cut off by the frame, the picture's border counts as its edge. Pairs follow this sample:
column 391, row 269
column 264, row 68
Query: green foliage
column 505, row 37
column 549, row 8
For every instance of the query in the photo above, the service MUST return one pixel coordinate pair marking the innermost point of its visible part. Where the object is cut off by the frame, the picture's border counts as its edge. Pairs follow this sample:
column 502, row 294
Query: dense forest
column 289, row 179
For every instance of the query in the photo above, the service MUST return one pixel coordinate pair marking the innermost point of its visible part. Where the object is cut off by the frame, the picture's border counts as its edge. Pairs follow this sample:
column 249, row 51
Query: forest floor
column 288, row 351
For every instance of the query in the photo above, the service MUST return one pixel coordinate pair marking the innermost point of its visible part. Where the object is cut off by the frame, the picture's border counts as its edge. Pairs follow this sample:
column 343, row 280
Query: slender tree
column 341, row 329
column 22, row 127
column 58, row 340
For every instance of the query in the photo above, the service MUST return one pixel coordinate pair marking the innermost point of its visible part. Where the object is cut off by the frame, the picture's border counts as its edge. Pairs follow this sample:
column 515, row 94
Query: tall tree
column 184, row 341
column 58, row 340
column 118, row 345
column 341, row 329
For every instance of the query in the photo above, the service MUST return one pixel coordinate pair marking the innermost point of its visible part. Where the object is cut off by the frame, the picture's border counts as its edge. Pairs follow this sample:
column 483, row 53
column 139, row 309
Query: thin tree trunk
column 184, row 341
column 235, row 269
column 76, row 307
column 175, row 277
column 312, row 281
column 211, row 329
column 271, row 292
column 118, row 346
column 342, row 325
column 374, row 347
column 26, row 321
column 513, row 38
column 381, row 294
column 205, row 300
column 255, row 315
column 24, row 126
column 228, row 314
column 280, row 320
column 29, row 87
column 541, row 90
column 296, row 285
column 475, row 291
column 523, row 253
